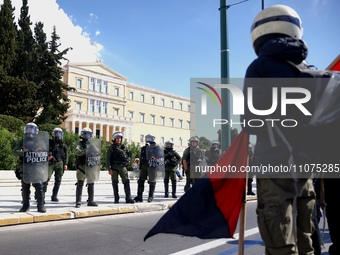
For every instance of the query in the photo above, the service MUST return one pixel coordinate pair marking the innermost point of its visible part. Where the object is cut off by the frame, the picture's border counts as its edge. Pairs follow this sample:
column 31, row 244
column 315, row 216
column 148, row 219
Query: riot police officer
column 192, row 157
column 147, row 172
column 31, row 143
column 214, row 154
column 118, row 158
column 81, row 149
column 58, row 158
column 171, row 161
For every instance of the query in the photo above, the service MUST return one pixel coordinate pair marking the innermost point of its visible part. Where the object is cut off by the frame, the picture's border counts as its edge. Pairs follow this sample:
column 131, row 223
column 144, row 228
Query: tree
column 8, row 34
column 54, row 101
column 25, row 46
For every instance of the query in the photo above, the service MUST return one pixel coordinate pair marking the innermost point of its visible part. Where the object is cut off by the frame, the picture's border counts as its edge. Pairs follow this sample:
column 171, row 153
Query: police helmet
column 169, row 144
column 215, row 144
column 57, row 134
column 193, row 139
column 116, row 134
column 31, row 130
column 275, row 21
column 149, row 138
column 86, row 134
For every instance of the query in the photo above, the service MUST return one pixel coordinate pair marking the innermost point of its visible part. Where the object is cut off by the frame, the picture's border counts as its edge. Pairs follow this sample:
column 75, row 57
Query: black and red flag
column 211, row 208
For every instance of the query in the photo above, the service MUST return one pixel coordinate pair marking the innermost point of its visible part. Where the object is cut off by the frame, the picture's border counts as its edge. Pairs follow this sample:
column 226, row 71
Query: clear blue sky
column 162, row 44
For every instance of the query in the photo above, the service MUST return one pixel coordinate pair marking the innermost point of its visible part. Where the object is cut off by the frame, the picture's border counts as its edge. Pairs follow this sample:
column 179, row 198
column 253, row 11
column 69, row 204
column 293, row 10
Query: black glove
column 18, row 173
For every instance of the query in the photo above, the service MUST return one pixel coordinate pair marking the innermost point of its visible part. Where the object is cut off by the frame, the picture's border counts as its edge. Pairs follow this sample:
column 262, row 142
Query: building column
column 107, row 132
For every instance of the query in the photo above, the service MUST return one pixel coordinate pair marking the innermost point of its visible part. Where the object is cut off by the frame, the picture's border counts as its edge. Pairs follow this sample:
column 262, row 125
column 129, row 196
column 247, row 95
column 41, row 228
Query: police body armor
column 35, row 160
column 92, row 160
column 155, row 161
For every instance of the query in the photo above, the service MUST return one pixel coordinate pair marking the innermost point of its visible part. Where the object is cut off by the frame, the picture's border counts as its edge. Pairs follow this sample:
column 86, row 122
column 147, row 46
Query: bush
column 7, row 143
column 12, row 124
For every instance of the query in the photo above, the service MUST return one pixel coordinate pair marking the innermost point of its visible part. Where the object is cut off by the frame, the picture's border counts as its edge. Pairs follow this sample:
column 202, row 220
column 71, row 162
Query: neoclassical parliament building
column 106, row 102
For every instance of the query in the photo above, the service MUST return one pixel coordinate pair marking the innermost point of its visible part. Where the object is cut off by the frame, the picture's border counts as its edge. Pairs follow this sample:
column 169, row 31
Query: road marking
column 214, row 244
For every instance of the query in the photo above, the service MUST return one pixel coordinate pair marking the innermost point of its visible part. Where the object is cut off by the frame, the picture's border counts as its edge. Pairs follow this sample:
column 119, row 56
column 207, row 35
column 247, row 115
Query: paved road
column 10, row 200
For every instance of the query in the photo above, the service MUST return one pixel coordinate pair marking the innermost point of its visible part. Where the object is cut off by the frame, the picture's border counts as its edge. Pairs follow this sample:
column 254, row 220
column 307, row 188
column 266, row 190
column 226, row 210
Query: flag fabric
column 210, row 209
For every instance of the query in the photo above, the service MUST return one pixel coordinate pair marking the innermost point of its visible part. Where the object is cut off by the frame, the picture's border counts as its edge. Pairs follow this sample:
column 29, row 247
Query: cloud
column 71, row 35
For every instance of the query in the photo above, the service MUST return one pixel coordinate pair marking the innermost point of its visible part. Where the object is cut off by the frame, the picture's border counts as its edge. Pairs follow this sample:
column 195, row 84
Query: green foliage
column 204, row 143
column 71, row 140
column 135, row 151
column 48, row 127
column 30, row 70
column 12, row 124
column 7, row 143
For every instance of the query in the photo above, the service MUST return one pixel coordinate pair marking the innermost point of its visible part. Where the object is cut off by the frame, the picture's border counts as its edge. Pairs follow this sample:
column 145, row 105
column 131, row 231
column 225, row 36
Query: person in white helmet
column 285, row 204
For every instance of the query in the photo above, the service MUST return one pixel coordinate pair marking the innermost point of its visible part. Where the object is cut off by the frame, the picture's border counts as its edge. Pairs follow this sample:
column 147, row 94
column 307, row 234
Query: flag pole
column 242, row 218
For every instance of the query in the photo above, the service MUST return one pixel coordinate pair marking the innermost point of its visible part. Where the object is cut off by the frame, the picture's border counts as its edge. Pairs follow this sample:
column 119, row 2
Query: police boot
column 174, row 185
column 250, row 192
column 79, row 191
column 25, row 193
column 166, row 188
column 115, row 191
column 55, row 190
column 127, row 190
column 152, row 187
column 140, row 190
column 39, row 188
column 90, row 192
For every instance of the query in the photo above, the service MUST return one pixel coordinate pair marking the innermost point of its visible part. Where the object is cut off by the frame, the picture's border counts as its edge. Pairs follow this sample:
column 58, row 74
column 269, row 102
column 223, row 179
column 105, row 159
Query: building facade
column 106, row 102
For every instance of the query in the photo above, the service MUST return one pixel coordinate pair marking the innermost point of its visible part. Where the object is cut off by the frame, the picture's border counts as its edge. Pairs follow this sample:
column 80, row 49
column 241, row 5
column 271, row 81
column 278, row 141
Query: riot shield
column 155, row 157
column 35, row 162
column 92, row 163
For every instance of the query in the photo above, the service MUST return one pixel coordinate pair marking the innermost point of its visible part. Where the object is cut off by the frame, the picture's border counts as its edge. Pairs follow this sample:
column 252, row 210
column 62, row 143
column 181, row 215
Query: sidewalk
column 10, row 201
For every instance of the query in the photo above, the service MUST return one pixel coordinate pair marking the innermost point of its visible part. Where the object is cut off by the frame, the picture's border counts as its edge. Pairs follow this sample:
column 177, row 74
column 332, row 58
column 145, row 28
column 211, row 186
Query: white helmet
column 169, row 144
column 116, row 134
column 150, row 138
column 31, row 130
column 86, row 134
column 274, row 21
column 57, row 134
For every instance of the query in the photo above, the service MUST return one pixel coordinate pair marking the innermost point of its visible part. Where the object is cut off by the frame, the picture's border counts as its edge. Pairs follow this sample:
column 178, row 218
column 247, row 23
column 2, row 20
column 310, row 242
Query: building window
column 142, row 98
column 162, row 140
column 104, row 107
column 142, row 117
column 92, row 83
column 152, row 120
column 172, row 139
column 153, row 100
column 91, row 107
column 188, row 124
column 188, row 107
column 79, row 83
column 99, row 85
column 171, row 122
column 141, row 138
column 98, row 106
column 181, row 106
column 78, row 106
column 116, row 92
column 171, row 104
column 162, row 121
column 131, row 114
column 180, row 141
column 180, row 122
column 116, row 111
column 105, row 87
column 131, row 95
column 162, row 102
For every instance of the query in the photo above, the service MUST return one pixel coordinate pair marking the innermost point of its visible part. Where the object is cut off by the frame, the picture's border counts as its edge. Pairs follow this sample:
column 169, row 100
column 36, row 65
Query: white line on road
column 214, row 244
